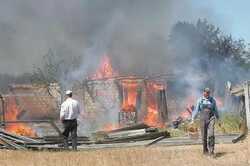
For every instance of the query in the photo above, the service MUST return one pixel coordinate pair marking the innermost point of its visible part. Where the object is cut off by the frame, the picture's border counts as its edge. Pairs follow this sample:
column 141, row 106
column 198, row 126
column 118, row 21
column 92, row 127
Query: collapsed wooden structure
column 109, row 94
column 243, row 91
column 139, row 132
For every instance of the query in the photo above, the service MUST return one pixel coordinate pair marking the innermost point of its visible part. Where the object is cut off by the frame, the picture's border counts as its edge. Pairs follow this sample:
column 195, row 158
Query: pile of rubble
column 134, row 133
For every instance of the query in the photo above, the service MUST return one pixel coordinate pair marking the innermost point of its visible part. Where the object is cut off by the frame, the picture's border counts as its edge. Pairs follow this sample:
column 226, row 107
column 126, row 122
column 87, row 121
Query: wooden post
column 138, row 104
column 3, row 110
column 247, row 104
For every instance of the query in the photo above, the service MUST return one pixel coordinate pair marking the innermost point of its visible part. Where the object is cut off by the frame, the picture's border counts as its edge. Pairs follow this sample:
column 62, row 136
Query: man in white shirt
column 69, row 113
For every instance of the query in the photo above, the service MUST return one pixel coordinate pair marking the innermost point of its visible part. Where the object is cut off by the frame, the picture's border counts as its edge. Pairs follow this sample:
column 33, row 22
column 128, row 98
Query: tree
column 204, row 51
column 203, row 38
column 54, row 68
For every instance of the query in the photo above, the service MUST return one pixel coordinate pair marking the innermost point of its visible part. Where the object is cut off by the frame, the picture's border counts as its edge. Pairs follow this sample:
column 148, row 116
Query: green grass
column 229, row 123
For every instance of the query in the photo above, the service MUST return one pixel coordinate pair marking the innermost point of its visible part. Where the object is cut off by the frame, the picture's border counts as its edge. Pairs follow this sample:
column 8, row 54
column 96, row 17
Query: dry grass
column 236, row 154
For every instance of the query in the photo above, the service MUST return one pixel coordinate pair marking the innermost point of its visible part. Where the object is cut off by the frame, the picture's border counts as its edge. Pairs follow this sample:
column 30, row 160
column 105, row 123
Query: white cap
column 68, row 92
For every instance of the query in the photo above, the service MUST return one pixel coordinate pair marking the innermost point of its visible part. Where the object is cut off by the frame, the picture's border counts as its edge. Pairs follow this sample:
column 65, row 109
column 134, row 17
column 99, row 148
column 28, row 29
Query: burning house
column 28, row 102
column 117, row 100
column 109, row 100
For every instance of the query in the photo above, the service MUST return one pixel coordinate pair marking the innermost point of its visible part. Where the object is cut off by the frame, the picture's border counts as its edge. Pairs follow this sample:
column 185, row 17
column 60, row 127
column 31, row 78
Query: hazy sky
column 232, row 15
column 28, row 28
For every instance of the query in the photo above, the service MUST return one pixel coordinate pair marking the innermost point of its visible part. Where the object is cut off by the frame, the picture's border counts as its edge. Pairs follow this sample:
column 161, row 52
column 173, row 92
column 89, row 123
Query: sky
column 29, row 28
column 231, row 15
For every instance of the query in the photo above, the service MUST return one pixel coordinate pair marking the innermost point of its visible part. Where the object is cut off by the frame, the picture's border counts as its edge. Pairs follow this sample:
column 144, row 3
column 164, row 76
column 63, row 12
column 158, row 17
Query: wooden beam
column 156, row 140
column 237, row 90
column 247, row 102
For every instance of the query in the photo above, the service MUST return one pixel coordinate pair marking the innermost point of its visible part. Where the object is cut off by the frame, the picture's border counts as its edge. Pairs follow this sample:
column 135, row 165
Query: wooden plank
column 239, row 138
column 131, row 127
column 13, row 139
column 23, row 138
column 238, row 90
column 11, row 144
column 147, row 136
column 128, row 133
column 247, row 102
column 156, row 140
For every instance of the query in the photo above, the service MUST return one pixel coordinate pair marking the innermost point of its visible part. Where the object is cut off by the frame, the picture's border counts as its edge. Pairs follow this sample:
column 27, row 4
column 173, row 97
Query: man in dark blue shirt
column 206, row 106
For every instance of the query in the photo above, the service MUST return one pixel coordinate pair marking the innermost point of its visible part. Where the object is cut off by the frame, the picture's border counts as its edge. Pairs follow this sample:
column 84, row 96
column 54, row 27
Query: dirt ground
column 226, row 154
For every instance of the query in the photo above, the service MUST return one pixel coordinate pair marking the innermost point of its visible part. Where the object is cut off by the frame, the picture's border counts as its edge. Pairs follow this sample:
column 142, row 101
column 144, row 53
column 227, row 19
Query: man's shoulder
column 74, row 101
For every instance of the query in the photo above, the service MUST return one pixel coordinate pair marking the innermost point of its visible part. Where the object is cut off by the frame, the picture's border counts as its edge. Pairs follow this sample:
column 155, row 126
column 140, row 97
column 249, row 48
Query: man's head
column 68, row 93
column 206, row 92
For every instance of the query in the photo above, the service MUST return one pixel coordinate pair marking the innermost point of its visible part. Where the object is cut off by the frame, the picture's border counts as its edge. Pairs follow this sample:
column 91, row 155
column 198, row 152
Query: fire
column 130, row 89
column 189, row 107
column 105, row 69
column 12, row 115
column 219, row 102
column 129, row 102
column 152, row 117
column 110, row 127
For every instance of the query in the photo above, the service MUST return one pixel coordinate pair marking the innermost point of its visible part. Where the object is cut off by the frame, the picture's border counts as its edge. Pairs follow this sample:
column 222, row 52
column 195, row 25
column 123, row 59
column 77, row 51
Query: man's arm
column 196, row 110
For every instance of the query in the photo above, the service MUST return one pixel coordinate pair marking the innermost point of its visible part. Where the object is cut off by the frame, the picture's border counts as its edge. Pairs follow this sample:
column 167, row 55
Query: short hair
column 206, row 90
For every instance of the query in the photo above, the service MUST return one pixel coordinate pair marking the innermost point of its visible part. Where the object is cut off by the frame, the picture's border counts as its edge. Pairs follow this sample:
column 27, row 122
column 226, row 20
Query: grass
column 230, row 154
column 227, row 154
column 229, row 123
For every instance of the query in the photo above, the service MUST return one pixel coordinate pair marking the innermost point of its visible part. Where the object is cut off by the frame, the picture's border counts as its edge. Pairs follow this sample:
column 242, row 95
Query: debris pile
column 134, row 133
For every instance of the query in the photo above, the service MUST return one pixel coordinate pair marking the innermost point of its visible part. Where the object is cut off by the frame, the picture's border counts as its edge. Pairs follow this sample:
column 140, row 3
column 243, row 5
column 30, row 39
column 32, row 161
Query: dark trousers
column 70, row 127
column 207, row 131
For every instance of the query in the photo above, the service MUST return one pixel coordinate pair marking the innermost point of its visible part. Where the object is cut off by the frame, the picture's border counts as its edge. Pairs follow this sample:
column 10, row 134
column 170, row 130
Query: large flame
column 130, row 87
column 12, row 115
column 105, row 69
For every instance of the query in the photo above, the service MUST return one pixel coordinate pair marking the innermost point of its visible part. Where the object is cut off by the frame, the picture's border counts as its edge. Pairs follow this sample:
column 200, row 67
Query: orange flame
column 152, row 117
column 129, row 102
column 110, row 127
column 105, row 69
column 11, row 115
column 219, row 102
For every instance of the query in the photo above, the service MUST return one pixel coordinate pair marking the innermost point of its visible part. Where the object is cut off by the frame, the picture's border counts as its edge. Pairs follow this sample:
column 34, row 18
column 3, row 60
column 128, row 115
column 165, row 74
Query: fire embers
column 12, row 114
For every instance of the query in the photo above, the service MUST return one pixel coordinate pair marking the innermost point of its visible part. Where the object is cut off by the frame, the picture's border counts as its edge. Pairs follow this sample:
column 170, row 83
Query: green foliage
column 207, row 40
column 230, row 123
